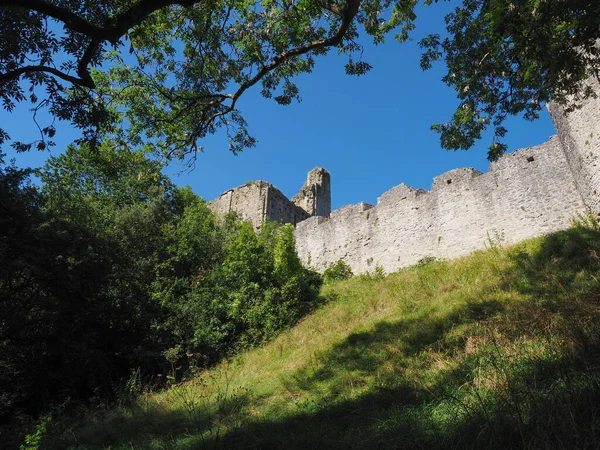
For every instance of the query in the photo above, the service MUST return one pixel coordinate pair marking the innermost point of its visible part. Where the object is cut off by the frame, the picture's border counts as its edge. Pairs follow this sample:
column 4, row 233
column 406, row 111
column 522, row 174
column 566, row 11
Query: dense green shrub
column 259, row 289
column 338, row 271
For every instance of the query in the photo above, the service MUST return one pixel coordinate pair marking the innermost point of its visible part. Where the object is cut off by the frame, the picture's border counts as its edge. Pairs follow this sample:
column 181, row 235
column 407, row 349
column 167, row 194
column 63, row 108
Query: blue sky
column 371, row 132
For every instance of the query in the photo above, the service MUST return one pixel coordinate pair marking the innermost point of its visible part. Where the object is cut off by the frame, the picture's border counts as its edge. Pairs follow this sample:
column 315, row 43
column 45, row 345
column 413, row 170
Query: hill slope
column 499, row 349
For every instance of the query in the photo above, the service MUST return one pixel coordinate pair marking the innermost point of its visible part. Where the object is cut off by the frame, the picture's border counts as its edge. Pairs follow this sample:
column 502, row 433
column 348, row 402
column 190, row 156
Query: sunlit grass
column 499, row 349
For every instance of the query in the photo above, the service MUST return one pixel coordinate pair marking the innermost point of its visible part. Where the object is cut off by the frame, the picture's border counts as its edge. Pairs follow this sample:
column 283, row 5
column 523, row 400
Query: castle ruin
column 257, row 201
column 527, row 193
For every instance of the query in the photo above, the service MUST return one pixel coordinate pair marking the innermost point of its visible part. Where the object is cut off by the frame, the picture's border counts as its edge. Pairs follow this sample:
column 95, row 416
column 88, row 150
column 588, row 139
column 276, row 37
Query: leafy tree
column 171, row 72
column 110, row 268
column 168, row 73
column 195, row 246
column 286, row 261
column 257, row 290
column 60, row 333
column 121, row 196
column 507, row 57
column 91, row 184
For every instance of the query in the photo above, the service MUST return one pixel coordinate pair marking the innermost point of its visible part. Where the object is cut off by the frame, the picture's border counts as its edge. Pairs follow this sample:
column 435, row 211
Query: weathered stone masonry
column 526, row 193
column 257, row 200
column 579, row 134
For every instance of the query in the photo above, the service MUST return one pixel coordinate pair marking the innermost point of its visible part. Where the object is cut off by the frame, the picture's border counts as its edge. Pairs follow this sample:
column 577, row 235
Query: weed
column 338, row 271
column 583, row 221
column 426, row 260
column 495, row 239
column 379, row 273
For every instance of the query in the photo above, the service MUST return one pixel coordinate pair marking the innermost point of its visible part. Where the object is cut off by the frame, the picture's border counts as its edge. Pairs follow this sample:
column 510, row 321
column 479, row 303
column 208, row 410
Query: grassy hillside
column 499, row 349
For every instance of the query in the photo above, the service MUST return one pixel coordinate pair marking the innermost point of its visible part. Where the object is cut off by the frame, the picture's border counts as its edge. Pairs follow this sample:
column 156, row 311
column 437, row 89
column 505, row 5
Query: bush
column 259, row 289
column 426, row 260
column 338, row 271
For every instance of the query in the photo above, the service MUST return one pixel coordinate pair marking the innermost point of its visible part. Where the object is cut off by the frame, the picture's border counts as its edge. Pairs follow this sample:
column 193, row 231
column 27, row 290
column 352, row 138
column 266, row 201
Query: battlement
column 455, row 177
column 399, row 193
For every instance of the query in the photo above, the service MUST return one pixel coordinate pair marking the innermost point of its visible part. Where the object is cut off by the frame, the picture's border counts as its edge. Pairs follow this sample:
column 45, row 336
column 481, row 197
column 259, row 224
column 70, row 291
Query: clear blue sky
column 371, row 132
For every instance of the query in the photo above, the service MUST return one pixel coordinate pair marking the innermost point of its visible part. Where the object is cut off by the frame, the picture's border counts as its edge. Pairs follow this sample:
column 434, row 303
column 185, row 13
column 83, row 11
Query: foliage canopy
column 168, row 73
column 171, row 72
column 507, row 57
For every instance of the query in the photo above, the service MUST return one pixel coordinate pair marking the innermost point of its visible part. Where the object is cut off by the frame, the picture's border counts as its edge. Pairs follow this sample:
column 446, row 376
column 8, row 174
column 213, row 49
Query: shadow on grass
column 395, row 386
column 566, row 262
column 405, row 418
column 198, row 424
column 534, row 401
column 562, row 278
column 362, row 354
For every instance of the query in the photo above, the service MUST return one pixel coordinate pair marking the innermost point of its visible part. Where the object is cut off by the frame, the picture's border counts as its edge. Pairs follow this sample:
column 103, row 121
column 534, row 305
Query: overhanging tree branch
column 347, row 14
column 14, row 74
column 71, row 20
column 123, row 22
column 255, row 37
column 115, row 28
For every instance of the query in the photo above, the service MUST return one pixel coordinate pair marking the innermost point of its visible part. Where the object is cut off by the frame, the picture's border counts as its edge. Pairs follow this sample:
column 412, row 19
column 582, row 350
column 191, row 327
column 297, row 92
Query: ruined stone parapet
column 525, row 194
column 249, row 200
column 397, row 194
column 456, row 177
column 258, row 201
column 315, row 196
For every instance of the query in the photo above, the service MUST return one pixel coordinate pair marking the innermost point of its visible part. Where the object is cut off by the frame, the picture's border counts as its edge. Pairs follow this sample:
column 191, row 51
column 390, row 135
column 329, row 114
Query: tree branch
column 115, row 28
column 71, row 20
column 14, row 74
column 82, row 66
column 135, row 15
column 347, row 14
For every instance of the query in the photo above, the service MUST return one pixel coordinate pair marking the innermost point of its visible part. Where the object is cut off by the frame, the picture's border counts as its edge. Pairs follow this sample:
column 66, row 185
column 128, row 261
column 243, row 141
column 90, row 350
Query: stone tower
column 315, row 195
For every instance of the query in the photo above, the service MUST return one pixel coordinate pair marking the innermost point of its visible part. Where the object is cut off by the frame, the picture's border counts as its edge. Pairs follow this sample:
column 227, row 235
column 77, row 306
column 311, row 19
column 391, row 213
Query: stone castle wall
column 527, row 193
column 249, row 200
column 579, row 133
column 256, row 201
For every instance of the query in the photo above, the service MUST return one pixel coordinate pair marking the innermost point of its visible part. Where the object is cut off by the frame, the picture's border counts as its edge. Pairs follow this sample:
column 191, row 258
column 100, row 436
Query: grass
column 500, row 349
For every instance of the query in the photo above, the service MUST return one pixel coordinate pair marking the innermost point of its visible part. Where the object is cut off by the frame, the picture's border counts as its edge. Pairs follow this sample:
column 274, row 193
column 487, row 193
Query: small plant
column 338, row 271
column 581, row 221
column 33, row 440
column 129, row 390
column 426, row 260
column 495, row 239
column 379, row 273
column 172, row 356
